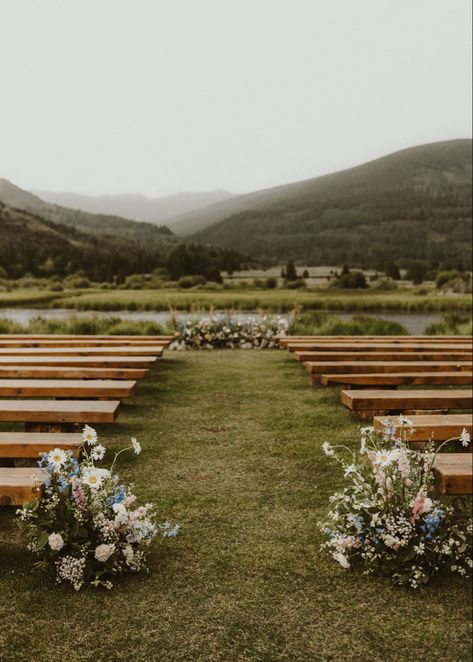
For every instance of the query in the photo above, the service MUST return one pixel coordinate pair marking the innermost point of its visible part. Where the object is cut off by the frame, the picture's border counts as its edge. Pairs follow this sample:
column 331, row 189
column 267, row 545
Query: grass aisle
column 232, row 451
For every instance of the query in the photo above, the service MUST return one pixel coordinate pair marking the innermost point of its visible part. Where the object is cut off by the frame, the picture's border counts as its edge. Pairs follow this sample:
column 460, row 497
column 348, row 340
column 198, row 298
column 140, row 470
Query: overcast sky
column 160, row 96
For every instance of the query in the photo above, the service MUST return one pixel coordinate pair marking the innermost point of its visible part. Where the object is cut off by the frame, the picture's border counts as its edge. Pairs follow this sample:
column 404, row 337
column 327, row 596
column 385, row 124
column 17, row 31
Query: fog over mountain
column 135, row 206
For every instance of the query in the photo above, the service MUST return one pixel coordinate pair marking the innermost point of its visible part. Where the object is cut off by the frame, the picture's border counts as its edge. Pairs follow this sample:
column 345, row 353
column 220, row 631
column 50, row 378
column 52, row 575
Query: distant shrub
column 298, row 284
column 186, row 282
column 270, row 283
column 385, row 285
column 78, row 282
column 352, row 280
column 135, row 282
column 56, row 287
column 454, row 281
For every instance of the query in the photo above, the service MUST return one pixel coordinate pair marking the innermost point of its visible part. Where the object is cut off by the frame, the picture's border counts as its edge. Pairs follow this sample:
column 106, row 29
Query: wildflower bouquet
column 87, row 527
column 385, row 522
column 225, row 332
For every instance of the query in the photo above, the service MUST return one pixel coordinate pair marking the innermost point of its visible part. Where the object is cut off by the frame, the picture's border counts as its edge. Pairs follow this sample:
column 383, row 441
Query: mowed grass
column 278, row 300
column 232, row 451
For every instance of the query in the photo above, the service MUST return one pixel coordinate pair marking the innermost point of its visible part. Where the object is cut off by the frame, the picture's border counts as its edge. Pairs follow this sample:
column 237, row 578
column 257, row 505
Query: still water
column 415, row 323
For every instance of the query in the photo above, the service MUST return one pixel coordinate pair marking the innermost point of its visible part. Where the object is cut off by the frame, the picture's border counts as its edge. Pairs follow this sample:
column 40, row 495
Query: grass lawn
column 231, row 451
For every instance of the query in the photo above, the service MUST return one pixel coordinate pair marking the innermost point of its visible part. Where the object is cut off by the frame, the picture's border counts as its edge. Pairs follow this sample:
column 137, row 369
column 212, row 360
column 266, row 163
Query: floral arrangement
column 225, row 332
column 385, row 522
column 87, row 528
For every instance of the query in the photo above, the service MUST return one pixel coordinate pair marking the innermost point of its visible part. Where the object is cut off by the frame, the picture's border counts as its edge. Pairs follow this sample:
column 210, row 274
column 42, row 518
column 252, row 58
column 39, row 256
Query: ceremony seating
column 439, row 427
column 66, row 388
column 18, row 485
column 366, row 401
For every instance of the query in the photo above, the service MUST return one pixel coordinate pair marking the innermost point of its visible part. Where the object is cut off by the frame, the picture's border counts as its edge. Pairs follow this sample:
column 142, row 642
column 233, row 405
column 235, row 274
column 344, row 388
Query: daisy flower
column 89, row 436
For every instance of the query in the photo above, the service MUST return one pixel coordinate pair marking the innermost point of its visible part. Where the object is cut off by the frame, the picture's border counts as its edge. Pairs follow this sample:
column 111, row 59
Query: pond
column 415, row 323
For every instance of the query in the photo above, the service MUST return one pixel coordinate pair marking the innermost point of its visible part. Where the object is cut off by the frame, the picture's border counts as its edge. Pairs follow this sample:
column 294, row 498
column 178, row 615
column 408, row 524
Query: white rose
column 342, row 559
column 104, row 552
column 427, row 505
column 56, row 542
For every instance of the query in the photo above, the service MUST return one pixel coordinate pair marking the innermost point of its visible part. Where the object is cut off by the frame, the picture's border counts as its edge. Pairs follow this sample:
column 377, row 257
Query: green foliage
column 352, row 280
column 290, row 272
column 451, row 324
column 324, row 324
column 298, row 284
column 74, row 325
column 186, row 282
column 270, row 283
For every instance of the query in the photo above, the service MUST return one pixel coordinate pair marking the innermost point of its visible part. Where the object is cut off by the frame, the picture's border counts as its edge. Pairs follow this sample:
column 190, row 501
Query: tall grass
column 451, row 324
column 323, row 324
column 113, row 326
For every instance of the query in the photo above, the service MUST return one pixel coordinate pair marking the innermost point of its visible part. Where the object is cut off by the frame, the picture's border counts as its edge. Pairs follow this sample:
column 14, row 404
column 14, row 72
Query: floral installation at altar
column 385, row 522
column 217, row 332
column 87, row 528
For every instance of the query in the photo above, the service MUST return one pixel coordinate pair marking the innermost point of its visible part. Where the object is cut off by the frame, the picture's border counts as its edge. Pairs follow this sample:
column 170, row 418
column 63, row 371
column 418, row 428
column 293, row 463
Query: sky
column 162, row 96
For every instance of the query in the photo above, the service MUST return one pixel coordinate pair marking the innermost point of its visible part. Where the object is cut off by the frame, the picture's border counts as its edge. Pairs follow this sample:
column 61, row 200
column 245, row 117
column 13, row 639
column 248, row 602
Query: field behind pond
column 273, row 300
column 232, row 451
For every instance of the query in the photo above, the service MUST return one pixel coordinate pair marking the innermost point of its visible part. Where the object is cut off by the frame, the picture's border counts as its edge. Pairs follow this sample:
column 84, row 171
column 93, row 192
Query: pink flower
column 421, row 504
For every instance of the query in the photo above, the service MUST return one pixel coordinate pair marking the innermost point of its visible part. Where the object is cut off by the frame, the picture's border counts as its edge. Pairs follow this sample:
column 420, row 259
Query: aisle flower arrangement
column 87, row 527
column 217, row 332
column 385, row 522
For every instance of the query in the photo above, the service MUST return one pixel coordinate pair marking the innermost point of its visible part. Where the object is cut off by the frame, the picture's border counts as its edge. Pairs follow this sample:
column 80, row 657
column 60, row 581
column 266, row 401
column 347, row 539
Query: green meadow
column 232, row 451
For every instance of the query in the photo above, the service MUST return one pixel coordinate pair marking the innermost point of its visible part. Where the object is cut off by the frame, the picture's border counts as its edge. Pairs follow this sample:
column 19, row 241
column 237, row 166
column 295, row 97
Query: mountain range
column 414, row 204
column 135, row 206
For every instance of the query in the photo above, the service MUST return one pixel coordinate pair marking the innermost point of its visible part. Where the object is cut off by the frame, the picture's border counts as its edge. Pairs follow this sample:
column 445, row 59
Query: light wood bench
column 378, row 347
column 399, row 379
column 283, row 341
column 369, row 402
column 30, row 444
column 142, row 350
column 66, row 388
column 389, row 355
column 454, row 473
column 438, row 426
column 59, row 411
column 64, row 372
column 20, row 485
column 90, row 342
column 331, row 368
column 81, row 361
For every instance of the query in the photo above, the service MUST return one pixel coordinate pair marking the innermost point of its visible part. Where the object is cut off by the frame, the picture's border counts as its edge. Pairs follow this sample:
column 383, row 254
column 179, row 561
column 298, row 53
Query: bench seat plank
column 337, row 367
column 85, row 336
column 121, row 350
column 90, row 342
column 454, row 473
column 82, row 361
column 389, row 355
column 399, row 379
column 17, row 485
column 376, row 347
column 69, row 388
column 438, row 426
column 31, row 444
column 371, row 399
column 59, row 411
column 64, row 372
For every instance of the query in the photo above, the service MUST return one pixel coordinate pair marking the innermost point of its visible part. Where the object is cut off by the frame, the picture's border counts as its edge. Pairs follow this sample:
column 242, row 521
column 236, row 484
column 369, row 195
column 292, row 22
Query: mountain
column 134, row 206
column 96, row 224
column 411, row 205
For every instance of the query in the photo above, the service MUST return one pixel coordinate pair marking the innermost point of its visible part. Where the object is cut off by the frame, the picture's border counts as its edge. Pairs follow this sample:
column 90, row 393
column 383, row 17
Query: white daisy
column 136, row 445
column 465, row 437
column 97, row 452
column 57, row 458
column 89, row 436
column 94, row 477
column 327, row 449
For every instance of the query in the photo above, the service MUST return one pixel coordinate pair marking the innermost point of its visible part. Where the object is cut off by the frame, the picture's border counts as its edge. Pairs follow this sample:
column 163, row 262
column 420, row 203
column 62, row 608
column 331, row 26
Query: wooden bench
column 142, row 350
column 90, row 342
column 331, row 368
column 453, row 473
column 66, row 388
column 64, row 372
column 20, row 485
column 59, row 412
column 81, row 361
column 389, row 355
column 378, row 347
column 438, row 426
column 30, row 444
column 367, row 402
column 398, row 379
column 286, row 340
